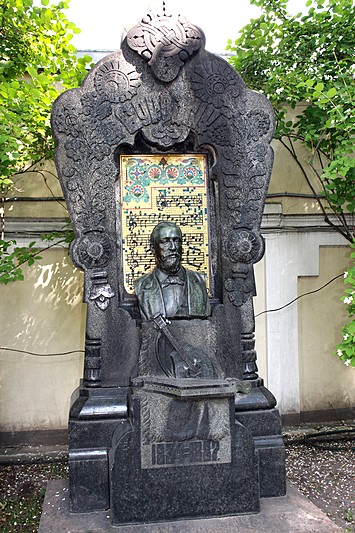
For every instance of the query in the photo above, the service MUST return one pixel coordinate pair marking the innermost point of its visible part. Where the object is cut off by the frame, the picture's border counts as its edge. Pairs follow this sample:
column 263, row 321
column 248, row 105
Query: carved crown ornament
column 165, row 42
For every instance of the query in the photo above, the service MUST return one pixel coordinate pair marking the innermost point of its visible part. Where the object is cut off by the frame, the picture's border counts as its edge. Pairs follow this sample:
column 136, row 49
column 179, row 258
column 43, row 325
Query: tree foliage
column 309, row 58
column 13, row 258
column 37, row 63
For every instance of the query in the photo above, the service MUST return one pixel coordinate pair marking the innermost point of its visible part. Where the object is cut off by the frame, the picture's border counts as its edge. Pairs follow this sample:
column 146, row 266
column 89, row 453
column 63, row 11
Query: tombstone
column 164, row 130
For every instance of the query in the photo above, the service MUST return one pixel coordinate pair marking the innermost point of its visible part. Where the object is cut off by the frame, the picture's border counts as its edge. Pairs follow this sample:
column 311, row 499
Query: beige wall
column 260, row 324
column 288, row 177
column 41, row 184
column 325, row 382
column 43, row 314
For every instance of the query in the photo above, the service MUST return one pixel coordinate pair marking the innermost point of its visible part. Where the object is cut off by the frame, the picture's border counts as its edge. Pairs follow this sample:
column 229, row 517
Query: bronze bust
column 170, row 290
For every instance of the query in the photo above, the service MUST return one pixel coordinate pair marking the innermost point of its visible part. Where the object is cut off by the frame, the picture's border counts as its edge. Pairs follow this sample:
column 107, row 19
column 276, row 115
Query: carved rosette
column 117, row 81
column 215, row 83
column 92, row 250
column 243, row 247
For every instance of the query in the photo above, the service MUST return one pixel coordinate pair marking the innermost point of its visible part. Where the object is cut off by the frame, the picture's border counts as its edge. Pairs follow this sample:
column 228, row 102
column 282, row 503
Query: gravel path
column 326, row 477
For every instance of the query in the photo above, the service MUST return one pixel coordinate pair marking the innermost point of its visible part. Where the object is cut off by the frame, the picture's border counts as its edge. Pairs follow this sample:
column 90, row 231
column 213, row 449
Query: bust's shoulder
column 145, row 282
column 195, row 277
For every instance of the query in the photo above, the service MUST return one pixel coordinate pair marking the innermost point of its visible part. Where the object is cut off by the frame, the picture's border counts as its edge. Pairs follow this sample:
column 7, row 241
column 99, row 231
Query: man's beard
column 171, row 263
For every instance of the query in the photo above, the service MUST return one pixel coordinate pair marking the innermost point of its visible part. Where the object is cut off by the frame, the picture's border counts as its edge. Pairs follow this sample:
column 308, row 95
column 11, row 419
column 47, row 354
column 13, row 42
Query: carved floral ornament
column 117, row 81
column 215, row 82
column 101, row 295
column 100, row 289
column 66, row 120
column 241, row 285
column 244, row 247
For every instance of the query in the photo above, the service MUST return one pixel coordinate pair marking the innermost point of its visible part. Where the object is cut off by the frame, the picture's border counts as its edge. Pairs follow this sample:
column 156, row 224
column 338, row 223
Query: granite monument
column 164, row 147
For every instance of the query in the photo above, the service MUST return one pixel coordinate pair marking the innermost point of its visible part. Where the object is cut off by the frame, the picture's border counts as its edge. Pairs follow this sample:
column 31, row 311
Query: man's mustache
column 173, row 254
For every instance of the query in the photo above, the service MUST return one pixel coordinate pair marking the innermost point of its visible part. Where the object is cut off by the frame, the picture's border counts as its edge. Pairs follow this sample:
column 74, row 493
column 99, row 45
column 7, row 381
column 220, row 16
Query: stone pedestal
column 95, row 415
column 196, row 461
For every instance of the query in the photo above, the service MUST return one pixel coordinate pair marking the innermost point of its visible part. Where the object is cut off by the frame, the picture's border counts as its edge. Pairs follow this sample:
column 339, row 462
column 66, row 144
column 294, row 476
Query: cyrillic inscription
column 192, row 452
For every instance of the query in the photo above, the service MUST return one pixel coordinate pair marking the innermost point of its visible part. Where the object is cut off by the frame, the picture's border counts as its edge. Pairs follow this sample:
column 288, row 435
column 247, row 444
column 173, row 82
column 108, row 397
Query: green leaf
column 32, row 72
column 331, row 92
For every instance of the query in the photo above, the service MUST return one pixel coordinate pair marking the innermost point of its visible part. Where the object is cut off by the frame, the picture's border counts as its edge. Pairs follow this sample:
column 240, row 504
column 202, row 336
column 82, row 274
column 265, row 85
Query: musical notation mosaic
column 156, row 188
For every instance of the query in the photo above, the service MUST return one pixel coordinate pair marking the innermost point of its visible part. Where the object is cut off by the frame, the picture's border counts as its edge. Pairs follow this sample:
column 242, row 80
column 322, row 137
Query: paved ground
column 293, row 513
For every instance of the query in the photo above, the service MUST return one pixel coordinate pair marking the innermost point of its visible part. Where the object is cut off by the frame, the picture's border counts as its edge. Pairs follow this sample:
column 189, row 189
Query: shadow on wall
column 43, row 311
column 43, row 314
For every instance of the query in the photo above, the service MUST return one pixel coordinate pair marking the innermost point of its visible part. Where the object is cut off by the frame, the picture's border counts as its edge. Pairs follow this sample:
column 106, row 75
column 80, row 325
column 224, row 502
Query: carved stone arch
column 124, row 98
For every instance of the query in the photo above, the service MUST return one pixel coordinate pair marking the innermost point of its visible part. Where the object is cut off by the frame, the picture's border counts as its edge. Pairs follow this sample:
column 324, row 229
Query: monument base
column 192, row 461
column 287, row 514
column 265, row 427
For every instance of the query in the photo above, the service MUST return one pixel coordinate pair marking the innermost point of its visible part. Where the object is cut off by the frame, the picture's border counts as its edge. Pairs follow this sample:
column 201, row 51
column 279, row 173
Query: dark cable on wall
column 40, row 354
column 300, row 296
